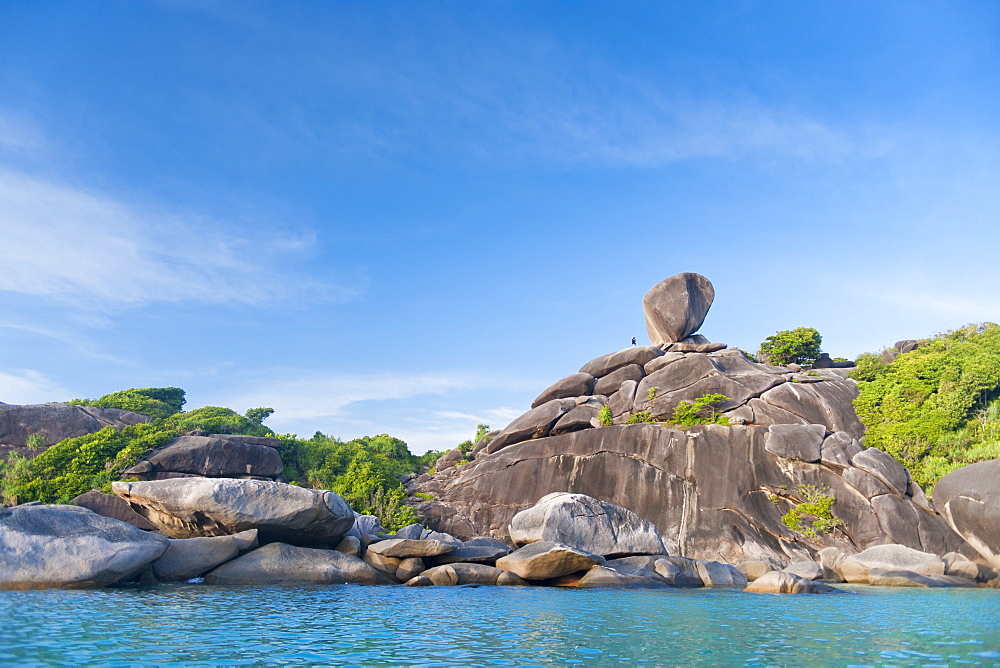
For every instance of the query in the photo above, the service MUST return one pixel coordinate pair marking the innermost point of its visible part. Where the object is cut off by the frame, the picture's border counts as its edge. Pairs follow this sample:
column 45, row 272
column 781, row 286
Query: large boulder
column 970, row 499
column 404, row 547
column 112, row 506
column 70, row 547
column 605, row 364
column 784, row 582
column 587, row 524
column 55, row 422
column 470, row 574
column 215, row 456
column 676, row 307
column 889, row 558
column 546, row 559
column 188, row 558
column 192, row 507
column 282, row 564
column 536, row 423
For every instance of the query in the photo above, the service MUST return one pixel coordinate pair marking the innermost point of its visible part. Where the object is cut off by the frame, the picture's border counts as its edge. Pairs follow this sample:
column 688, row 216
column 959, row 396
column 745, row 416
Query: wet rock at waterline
column 282, row 564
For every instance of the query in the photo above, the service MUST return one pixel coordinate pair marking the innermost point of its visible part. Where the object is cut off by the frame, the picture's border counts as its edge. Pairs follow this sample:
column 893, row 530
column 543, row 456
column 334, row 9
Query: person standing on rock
column 633, row 341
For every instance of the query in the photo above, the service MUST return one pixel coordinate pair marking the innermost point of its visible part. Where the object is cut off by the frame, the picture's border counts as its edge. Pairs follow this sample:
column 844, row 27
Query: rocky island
column 684, row 463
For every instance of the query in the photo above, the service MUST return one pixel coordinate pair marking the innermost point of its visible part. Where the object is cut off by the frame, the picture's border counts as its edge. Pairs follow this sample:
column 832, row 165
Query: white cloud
column 86, row 248
column 26, row 386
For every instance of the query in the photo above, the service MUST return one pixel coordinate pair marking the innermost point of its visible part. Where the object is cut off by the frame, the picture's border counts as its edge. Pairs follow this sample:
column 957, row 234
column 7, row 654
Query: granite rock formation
column 676, row 307
column 212, row 456
column 970, row 499
column 55, row 422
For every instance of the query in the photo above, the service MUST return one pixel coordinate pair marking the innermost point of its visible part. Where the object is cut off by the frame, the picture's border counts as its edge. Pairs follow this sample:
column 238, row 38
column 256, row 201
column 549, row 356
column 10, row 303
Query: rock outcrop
column 52, row 423
column 70, row 547
column 112, row 506
column 213, row 456
column 282, row 564
column 193, row 557
column 970, row 499
column 192, row 507
column 713, row 492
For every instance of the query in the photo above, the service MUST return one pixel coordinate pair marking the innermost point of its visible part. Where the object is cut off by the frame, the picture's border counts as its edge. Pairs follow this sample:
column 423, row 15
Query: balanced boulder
column 587, row 524
column 215, row 456
column 676, row 307
column 70, row 547
column 191, row 507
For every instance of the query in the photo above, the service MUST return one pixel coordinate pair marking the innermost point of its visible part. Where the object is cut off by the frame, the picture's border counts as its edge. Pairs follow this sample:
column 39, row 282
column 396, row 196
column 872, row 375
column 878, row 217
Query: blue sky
column 412, row 217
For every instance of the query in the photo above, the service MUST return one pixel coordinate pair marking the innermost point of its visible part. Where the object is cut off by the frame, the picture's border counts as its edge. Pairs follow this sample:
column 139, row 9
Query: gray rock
column 823, row 362
column 367, row 524
column 829, row 560
column 216, row 456
column 657, row 363
column 419, row 581
column 905, row 346
column 403, row 548
column 580, row 417
column 192, row 507
column 794, row 441
column 411, row 532
column 881, row 577
column 676, row 307
column 282, row 564
column 449, row 459
column 380, row 562
column 546, row 559
column 536, row 423
column 865, row 483
column 623, row 400
column 602, row 576
column 718, row 574
column 473, row 554
column 350, row 545
column 839, row 449
column 112, row 506
column 192, row 557
column 959, row 565
column 465, row 574
column 829, row 403
column 610, row 383
column 884, row 467
column 70, row 547
column 410, row 568
column 676, row 376
column 808, row 570
column 784, row 582
column 674, row 571
column 889, row 558
column 605, row 364
column 587, row 524
column 970, row 500
column 55, row 422
column 574, row 385
column 888, row 356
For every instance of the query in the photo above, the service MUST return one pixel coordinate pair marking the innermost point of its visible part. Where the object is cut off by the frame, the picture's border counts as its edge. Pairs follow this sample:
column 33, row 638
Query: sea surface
column 440, row 626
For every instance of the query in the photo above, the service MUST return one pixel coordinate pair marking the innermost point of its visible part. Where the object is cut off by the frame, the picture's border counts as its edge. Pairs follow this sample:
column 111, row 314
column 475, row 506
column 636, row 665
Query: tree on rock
column 799, row 346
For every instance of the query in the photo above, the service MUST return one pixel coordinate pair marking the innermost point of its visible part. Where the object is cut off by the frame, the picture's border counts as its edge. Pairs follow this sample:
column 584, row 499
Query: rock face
column 546, row 559
column 713, row 492
column 970, row 499
column 215, row 456
column 281, row 564
column 71, row 547
column 676, row 307
column 54, row 422
column 587, row 524
column 192, row 507
column 112, row 506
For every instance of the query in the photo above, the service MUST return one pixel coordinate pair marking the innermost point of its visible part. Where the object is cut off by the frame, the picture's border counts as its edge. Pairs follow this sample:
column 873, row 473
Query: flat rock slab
column 795, row 441
column 574, row 385
column 404, row 547
column 282, row 564
column 605, row 364
column 889, row 558
column 603, row 577
column 192, row 507
column 546, row 559
column 44, row 547
column 587, row 524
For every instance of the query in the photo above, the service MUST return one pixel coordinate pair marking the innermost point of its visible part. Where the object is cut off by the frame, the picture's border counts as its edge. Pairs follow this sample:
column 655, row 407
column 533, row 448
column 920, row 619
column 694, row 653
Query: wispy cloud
column 26, row 386
column 86, row 248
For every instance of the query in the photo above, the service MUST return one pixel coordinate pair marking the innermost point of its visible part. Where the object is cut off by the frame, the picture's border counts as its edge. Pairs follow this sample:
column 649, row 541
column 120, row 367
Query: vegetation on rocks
column 703, row 410
column 364, row 471
column 936, row 408
column 813, row 515
column 799, row 346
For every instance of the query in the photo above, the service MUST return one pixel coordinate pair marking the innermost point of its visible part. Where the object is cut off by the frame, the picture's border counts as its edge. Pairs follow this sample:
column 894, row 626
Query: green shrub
column 218, row 420
column 35, row 441
column 813, row 515
column 157, row 402
column 605, row 417
column 640, row 417
column 700, row 411
column 799, row 346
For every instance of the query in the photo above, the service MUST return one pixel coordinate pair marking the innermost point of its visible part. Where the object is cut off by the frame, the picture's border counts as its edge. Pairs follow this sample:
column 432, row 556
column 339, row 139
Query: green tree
column 800, row 346
column 157, row 402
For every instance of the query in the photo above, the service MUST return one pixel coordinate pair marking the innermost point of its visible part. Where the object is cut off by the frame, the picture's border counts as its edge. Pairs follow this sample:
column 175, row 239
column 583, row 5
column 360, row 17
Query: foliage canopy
column 799, row 346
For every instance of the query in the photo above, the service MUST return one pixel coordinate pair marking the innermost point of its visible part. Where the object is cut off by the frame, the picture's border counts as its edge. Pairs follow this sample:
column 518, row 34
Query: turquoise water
column 355, row 625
